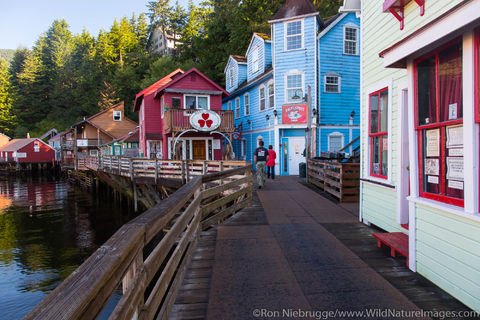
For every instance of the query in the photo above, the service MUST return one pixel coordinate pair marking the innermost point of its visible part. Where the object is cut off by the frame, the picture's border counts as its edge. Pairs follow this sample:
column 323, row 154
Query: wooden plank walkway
column 281, row 253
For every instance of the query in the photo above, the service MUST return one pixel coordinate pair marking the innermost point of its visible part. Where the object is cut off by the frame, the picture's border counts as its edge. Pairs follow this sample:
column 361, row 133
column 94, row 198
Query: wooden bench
column 397, row 241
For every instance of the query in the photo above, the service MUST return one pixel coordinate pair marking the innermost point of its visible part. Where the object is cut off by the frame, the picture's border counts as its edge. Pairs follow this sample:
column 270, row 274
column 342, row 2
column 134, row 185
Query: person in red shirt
column 271, row 162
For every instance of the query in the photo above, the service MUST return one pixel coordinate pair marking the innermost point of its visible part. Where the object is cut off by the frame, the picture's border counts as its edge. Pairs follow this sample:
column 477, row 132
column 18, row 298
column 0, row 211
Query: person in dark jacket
column 260, row 157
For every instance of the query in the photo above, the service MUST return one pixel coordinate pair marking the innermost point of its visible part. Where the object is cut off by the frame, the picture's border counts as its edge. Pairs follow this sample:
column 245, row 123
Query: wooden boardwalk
column 294, row 249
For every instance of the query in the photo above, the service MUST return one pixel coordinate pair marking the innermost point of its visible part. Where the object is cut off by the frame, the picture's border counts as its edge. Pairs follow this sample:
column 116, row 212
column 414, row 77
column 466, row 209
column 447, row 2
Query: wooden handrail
column 124, row 261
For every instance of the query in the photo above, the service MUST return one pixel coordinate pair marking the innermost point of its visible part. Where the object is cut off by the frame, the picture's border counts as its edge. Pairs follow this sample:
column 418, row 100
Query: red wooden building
column 165, row 112
column 31, row 150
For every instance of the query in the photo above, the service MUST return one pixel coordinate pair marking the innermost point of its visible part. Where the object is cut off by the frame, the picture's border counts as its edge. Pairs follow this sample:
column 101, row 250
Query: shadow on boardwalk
column 293, row 251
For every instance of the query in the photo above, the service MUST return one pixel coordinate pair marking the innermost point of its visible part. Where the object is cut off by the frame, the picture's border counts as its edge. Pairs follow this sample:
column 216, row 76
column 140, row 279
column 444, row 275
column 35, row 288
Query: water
column 47, row 229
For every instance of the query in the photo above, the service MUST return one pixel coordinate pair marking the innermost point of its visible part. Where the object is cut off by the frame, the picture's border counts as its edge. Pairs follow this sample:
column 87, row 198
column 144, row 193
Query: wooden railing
column 342, row 180
column 179, row 120
column 155, row 168
column 148, row 256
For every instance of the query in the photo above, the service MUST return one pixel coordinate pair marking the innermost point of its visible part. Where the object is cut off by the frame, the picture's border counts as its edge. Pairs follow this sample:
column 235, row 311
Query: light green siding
column 447, row 245
column 448, row 253
column 379, row 207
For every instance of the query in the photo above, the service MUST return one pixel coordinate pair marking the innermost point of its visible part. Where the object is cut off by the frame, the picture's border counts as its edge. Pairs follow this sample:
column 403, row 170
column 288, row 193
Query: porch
column 177, row 120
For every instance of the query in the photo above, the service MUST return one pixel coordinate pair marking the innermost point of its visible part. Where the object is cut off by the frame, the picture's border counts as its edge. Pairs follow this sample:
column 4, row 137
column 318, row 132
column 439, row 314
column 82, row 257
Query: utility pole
column 309, row 129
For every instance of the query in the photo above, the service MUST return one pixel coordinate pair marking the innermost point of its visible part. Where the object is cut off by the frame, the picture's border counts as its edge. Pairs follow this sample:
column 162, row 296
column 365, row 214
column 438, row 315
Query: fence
column 342, row 180
column 155, row 168
column 149, row 271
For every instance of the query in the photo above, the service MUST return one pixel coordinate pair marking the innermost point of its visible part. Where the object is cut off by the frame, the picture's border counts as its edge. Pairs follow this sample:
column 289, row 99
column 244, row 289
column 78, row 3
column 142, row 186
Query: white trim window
column 335, row 141
column 271, row 95
column 350, row 40
column 255, row 59
column 117, row 115
column 332, row 82
column 246, row 104
column 293, row 35
column 229, row 105
column 231, row 76
column 261, row 96
column 197, row 102
column 237, row 107
column 294, row 87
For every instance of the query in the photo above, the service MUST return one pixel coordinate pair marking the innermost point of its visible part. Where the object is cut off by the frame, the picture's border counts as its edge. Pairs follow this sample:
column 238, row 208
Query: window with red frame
column 439, row 124
column 378, row 133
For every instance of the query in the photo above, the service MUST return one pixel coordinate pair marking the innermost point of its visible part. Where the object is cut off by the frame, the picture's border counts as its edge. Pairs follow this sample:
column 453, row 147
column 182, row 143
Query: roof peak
column 294, row 8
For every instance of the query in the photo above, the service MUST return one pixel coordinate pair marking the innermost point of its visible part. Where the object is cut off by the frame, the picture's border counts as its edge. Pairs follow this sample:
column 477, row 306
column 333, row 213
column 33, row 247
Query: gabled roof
column 17, row 144
column 238, row 59
column 151, row 89
column 177, row 79
column 261, row 36
column 264, row 36
column 330, row 23
column 48, row 133
column 293, row 9
column 132, row 136
column 93, row 125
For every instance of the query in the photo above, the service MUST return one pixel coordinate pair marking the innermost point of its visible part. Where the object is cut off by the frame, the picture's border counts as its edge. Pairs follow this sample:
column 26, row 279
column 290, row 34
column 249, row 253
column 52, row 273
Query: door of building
column 154, row 149
column 199, row 150
column 296, row 146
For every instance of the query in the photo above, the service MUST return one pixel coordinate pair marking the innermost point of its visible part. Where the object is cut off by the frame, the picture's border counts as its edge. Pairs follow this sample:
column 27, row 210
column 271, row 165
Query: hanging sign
column 205, row 120
column 294, row 113
column 237, row 135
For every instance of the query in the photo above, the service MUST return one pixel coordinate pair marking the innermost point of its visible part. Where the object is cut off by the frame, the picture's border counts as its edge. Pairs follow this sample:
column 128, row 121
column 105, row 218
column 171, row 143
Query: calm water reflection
column 47, row 229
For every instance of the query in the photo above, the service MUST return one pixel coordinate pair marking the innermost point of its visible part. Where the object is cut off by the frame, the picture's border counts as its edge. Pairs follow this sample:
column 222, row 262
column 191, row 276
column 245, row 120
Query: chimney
column 28, row 135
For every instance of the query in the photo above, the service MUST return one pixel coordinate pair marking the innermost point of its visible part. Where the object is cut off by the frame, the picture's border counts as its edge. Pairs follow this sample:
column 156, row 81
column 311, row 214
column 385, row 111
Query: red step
column 397, row 241
column 405, row 226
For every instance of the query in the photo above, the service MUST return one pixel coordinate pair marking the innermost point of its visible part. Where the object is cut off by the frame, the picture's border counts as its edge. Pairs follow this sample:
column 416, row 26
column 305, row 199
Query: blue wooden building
column 268, row 86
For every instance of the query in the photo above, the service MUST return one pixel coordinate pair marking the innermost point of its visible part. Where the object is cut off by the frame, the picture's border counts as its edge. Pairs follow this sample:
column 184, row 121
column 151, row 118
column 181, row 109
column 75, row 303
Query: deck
column 294, row 249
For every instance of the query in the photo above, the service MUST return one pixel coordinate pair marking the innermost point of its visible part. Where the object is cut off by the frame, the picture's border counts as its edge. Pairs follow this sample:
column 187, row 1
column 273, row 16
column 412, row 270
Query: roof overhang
column 448, row 26
column 295, row 18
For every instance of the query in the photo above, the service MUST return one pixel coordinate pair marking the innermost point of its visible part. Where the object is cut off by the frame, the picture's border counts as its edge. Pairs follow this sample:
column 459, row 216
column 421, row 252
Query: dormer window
column 117, row 115
column 255, row 60
column 294, row 35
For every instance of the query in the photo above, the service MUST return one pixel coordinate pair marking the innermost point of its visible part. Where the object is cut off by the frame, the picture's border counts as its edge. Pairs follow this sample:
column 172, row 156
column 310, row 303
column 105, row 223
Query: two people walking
column 263, row 159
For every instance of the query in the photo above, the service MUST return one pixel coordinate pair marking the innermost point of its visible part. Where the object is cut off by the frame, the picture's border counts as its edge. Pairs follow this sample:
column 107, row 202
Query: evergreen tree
column 7, row 120
column 177, row 21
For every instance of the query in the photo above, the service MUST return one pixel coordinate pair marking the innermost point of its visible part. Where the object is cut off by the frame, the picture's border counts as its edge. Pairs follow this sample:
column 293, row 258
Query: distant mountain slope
column 7, row 54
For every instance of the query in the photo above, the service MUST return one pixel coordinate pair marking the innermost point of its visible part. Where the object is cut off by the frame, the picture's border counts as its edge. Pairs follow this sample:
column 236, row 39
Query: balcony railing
column 179, row 120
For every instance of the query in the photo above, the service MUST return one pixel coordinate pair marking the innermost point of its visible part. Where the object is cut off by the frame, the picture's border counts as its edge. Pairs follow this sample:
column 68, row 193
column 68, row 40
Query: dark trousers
column 271, row 171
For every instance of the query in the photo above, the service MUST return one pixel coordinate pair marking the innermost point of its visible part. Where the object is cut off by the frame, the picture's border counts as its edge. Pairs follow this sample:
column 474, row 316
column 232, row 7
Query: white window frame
column 332, row 75
column 119, row 113
column 389, row 85
column 357, row 32
column 230, row 76
column 196, row 101
column 262, row 86
column 292, row 73
column 237, row 107
column 229, row 105
column 255, row 59
column 246, row 104
column 271, row 83
column 288, row 36
column 335, row 134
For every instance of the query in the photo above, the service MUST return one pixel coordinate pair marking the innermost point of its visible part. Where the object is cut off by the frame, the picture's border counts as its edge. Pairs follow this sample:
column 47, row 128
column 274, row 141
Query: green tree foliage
column 6, row 117
column 66, row 76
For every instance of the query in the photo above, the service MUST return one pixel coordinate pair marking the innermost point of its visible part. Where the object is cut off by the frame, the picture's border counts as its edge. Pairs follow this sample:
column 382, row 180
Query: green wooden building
column 420, row 120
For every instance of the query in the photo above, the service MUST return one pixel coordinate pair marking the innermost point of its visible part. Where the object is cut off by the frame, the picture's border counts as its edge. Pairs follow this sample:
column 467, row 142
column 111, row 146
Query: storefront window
column 378, row 133
column 440, row 124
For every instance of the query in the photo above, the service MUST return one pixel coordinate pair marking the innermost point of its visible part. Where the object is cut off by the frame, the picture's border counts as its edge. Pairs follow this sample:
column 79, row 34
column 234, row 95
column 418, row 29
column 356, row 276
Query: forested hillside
column 7, row 54
column 66, row 76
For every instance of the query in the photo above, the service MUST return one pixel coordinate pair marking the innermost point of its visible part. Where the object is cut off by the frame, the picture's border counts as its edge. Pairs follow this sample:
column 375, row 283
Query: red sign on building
column 294, row 113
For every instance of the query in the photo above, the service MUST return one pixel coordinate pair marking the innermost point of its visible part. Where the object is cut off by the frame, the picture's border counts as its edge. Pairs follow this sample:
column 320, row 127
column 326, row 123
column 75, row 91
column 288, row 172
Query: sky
column 22, row 21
